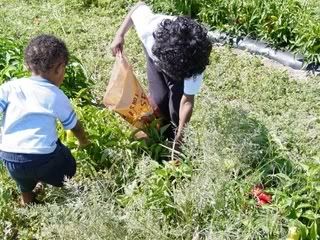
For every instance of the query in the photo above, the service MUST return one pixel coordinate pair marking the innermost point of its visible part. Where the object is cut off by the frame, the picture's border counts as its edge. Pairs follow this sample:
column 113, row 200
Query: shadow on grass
column 253, row 144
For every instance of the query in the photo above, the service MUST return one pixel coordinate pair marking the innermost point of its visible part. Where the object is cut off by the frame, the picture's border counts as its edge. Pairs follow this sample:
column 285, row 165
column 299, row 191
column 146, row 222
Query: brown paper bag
column 125, row 95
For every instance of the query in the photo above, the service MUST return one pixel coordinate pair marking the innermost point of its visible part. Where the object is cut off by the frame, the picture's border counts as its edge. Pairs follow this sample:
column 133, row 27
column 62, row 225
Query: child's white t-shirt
column 146, row 22
column 30, row 108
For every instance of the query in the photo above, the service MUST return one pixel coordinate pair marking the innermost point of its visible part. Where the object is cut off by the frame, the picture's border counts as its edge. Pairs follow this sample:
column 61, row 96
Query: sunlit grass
column 252, row 124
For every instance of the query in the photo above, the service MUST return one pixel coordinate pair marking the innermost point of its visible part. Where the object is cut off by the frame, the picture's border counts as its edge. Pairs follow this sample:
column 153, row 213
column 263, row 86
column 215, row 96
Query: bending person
column 177, row 52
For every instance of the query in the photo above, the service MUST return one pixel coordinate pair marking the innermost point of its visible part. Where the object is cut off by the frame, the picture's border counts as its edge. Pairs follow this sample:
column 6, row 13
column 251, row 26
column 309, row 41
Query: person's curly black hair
column 182, row 47
column 44, row 51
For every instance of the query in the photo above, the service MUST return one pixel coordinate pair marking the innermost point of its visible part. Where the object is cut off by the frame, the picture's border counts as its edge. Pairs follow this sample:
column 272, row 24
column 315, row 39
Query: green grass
column 252, row 124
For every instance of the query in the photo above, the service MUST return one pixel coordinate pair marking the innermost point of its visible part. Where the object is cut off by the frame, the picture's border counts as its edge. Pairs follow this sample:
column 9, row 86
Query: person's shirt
column 146, row 23
column 30, row 109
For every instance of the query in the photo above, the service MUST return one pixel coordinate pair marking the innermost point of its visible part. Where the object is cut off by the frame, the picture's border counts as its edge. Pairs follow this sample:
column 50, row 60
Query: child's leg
column 30, row 197
column 175, row 95
column 166, row 93
column 26, row 187
column 60, row 165
column 24, row 179
column 27, row 198
column 158, row 90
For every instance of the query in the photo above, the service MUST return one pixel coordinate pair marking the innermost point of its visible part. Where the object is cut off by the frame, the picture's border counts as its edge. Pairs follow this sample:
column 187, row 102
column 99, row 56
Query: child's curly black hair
column 44, row 51
column 182, row 47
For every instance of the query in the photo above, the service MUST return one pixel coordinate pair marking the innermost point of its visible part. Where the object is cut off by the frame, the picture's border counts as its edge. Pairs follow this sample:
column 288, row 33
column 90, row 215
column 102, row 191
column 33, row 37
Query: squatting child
column 31, row 106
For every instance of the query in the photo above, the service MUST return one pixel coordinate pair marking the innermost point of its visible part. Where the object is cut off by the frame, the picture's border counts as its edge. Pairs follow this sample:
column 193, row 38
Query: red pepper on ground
column 261, row 196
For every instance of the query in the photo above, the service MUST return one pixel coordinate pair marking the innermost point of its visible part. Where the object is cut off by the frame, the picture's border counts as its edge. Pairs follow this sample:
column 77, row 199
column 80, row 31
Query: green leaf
column 310, row 215
column 313, row 231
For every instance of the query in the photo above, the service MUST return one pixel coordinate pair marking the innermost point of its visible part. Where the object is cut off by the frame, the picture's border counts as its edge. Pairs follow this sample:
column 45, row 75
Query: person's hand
column 84, row 144
column 117, row 44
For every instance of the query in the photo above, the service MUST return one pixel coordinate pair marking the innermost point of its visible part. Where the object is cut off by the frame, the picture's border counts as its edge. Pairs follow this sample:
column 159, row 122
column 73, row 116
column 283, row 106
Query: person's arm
column 118, row 41
column 191, row 88
column 3, row 98
column 68, row 118
column 80, row 134
column 185, row 112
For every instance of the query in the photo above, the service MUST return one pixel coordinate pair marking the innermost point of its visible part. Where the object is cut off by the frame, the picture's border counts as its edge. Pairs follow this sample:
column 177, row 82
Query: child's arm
column 185, row 112
column 68, row 118
column 117, row 43
column 3, row 97
column 80, row 134
column 191, row 88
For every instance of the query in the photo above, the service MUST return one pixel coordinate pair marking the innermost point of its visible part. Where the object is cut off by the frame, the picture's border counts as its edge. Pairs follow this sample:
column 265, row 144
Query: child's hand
column 80, row 134
column 84, row 144
column 117, row 45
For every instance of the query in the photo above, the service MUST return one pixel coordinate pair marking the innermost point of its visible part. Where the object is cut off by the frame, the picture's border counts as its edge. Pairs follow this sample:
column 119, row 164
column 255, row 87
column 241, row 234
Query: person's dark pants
column 29, row 169
column 166, row 94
